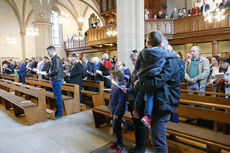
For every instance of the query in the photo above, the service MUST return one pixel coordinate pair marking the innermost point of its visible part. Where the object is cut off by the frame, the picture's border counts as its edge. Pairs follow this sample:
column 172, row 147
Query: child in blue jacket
column 117, row 108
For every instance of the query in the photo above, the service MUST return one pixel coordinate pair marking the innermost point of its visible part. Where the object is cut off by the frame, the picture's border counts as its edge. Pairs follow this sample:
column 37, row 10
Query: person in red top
column 195, row 10
column 106, row 63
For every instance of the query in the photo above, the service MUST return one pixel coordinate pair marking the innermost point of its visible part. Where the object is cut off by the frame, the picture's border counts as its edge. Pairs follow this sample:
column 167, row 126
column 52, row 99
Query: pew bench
column 97, row 96
column 102, row 116
column 11, row 77
column 71, row 102
column 34, row 112
column 203, row 109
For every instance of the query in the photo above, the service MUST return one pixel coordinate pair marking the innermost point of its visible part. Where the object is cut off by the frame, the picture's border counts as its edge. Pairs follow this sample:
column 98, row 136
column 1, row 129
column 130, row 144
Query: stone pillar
column 215, row 48
column 23, row 39
column 42, row 14
column 130, row 26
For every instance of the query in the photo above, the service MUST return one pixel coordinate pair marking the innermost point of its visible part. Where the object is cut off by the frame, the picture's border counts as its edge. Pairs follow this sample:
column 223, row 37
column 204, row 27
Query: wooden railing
column 177, row 30
column 99, row 35
column 76, row 43
column 187, row 25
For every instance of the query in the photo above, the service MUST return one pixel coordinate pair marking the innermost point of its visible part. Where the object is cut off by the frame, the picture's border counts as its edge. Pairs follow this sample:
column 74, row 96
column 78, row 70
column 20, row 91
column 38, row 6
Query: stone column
column 215, row 48
column 130, row 26
column 23, row 39
column 42, row 14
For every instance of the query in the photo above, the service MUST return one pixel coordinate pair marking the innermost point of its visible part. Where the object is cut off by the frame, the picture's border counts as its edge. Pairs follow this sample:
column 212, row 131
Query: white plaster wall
column 30, row 40
column 69, row 27
column 9, row 27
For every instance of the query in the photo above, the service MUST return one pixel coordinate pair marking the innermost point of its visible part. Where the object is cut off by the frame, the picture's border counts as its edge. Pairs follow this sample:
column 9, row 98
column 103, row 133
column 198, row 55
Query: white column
column 130, row 26
column 42, row 14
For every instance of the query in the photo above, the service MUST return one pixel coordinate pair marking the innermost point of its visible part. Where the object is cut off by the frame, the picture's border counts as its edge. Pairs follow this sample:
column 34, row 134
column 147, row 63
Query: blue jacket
column 167, row 84
column 22, row 69
column 151, row 60
column 117, row 101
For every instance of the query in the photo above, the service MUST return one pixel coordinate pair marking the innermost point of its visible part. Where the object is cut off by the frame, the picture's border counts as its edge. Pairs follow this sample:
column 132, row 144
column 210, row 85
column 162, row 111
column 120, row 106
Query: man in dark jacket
column 205, row 7
column 22, row 72
column 88, row 67
column 56, row 76
column 225, row 4
column 76, row 72
column 167, row 85
column 46, row 66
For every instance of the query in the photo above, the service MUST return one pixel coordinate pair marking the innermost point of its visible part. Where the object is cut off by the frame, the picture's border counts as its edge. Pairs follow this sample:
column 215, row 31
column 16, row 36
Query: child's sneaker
column 146, row 121
column 135, row 113
column 120, row 150
column 113, row 145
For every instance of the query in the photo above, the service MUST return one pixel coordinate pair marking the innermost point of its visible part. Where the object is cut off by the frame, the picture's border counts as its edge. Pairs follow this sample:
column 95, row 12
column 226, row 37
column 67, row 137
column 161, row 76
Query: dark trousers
column 140, row 131
column 148, row 98
column 58, row 96
column 22, row 78
column 117, row 130
column 159, row 130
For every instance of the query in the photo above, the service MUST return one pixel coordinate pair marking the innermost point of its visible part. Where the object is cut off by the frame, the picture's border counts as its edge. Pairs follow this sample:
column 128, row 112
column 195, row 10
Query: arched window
column 56, row 29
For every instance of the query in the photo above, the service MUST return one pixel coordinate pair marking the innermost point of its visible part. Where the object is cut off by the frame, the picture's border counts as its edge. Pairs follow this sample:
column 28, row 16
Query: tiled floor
column 70, row 134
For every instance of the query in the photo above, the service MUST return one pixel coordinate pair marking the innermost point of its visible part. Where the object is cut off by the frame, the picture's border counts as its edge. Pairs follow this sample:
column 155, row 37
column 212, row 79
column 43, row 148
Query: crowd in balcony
column 183, row 12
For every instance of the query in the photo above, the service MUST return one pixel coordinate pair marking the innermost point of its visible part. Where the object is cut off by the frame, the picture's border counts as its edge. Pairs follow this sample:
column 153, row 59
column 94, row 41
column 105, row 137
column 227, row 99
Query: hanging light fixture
column 64, row 17
column 217, row 15
column 32, row 31
column 80, row 19
column 11, row 40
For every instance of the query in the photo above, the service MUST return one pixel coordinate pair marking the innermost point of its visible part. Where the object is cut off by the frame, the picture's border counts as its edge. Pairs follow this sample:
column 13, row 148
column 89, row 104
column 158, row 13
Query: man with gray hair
column 197, row 71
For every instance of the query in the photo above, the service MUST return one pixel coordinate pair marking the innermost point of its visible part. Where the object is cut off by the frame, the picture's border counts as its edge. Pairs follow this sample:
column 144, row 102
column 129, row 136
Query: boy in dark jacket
column 117, row 108
column 149, row 64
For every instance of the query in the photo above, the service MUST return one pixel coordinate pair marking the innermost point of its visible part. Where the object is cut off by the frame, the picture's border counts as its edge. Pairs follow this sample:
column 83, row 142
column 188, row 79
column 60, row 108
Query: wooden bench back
column 28, row 90
column 205, row 107
column 207, row 99
column 9, row 77
column 74, row 88
column 206, row 93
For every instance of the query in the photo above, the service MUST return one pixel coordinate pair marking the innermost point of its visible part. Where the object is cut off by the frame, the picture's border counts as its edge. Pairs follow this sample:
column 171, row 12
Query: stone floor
column 70, row 134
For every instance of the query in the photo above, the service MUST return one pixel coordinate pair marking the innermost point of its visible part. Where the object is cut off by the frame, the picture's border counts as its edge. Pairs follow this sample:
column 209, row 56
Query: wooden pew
column 203, row 109
column 33, row 112
column 11, row 77
column 71, row 103
column 97, row 97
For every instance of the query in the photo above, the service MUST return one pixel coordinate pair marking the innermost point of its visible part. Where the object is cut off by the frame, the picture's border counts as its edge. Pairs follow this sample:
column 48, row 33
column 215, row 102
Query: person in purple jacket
column 117, row 107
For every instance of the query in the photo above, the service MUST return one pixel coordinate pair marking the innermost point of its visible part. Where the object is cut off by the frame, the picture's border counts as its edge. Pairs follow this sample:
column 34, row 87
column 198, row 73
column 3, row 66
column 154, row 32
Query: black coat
column 76, row 72
column 88, row 67
column 46, row 67
column 56, row 70
column 227, row 5
column 207, row 7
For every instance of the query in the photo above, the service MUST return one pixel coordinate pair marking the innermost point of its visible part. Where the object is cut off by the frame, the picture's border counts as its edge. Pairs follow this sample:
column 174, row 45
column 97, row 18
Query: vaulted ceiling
column 76, row 8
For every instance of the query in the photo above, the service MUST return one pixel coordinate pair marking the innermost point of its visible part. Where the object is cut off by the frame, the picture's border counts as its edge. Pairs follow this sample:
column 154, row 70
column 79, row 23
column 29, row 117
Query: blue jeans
column 196, row 87
column 58, row 96
column 117, row 130
column 159, row 130
column 148, row 98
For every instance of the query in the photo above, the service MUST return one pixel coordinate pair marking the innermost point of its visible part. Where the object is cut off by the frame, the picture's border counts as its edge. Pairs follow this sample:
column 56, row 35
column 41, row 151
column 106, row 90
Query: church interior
column 90, row 45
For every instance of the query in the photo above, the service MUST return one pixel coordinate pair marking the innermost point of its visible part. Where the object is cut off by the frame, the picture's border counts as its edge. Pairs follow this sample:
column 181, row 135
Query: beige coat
column 204, row 71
